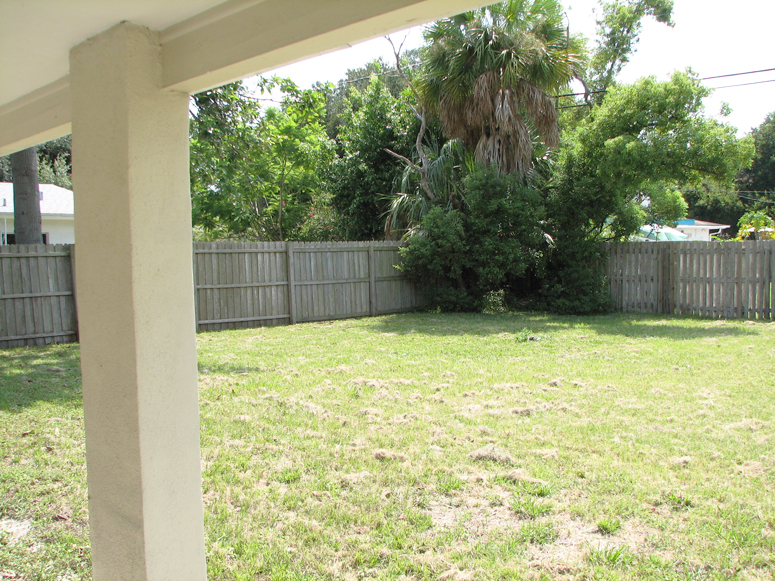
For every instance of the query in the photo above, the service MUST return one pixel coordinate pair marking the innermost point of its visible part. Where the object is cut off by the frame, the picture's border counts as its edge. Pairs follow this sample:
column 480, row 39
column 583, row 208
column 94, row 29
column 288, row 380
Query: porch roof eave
column 223, row 44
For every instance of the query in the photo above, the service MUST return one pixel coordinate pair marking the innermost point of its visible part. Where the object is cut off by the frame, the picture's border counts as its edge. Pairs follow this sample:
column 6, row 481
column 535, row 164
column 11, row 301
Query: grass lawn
column 424, row 446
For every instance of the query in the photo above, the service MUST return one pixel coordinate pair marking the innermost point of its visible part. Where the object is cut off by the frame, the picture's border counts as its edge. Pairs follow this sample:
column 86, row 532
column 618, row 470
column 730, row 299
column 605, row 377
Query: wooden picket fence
column 249, row 284
column 245, row 284
column 37, row 295
column 732, row 280
column 237, row 284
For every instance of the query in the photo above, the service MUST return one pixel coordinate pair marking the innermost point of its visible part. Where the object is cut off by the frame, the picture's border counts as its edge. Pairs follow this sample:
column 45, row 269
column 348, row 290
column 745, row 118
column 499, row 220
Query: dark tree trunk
column 26, row 197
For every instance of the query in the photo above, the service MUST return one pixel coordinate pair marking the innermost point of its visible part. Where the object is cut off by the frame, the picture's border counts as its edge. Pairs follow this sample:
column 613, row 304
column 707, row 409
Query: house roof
column 691, row 223
column 54, row 201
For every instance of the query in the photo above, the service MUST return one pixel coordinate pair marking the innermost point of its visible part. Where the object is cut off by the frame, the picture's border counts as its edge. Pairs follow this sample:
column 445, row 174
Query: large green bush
column 457, row 257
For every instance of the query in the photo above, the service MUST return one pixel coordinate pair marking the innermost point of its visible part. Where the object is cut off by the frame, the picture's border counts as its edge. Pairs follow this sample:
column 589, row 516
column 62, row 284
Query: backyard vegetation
column 428, row 446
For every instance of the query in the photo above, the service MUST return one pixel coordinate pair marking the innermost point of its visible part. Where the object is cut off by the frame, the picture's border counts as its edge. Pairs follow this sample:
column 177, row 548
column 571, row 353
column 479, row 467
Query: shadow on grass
column 29, row 375
column 633, row 325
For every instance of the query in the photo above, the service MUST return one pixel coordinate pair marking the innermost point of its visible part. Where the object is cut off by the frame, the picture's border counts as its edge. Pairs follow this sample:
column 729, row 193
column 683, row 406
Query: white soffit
column 36, row 35
column 205, row 43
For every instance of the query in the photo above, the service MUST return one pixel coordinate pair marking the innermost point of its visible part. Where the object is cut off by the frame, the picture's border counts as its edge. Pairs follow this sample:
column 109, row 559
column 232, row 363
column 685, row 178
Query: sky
column 713, row 37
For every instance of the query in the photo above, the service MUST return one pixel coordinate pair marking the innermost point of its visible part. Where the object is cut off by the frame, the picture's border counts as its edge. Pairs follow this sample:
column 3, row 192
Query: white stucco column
column 136, row 311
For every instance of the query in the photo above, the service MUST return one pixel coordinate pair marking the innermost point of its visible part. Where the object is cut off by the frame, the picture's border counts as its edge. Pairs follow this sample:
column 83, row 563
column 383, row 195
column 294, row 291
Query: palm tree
column 489, row 74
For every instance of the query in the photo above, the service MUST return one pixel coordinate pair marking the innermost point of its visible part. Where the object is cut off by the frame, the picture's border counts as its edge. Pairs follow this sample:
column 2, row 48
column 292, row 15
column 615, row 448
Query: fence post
column 372, row 283
column 75, row 290
column 196, row 293
column 663, row 270
column 291, row 287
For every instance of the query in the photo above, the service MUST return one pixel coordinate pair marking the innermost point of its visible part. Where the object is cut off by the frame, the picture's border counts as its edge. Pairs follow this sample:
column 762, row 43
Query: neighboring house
column 699, row 229
column 56, row 214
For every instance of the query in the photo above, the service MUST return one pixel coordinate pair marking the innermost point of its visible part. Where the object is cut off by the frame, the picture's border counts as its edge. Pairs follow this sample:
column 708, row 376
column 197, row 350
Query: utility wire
column 756, row 199
column 391, row 73
column 737, row 74
column 738, row 193
column 744, row 84
column 702, row 79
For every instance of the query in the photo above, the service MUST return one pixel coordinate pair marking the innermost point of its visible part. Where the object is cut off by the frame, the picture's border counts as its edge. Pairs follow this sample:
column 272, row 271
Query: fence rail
column 733, row 280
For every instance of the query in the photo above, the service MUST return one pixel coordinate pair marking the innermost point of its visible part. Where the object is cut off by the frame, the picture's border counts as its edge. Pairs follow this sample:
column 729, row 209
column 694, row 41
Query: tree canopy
column 255, row 171
column 363, row 178
column 618, row 34
column 760, row 177
column 489, row 74
column 644, row 137
column 489, row 191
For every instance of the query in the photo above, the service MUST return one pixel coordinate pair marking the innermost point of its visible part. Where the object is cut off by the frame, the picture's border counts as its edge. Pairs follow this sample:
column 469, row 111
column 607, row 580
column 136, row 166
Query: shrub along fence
column 732, row 280
column 237, row 284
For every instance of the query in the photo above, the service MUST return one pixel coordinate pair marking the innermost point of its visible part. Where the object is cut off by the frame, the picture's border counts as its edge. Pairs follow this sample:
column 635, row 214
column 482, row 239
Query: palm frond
column 488, row 75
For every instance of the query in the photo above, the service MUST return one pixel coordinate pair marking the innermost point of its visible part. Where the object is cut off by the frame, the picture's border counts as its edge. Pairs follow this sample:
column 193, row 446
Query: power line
column 702, row 79
column 744, row 84
column 738, row 193
column 737, row 74
column 754, row 199
column 390, row 72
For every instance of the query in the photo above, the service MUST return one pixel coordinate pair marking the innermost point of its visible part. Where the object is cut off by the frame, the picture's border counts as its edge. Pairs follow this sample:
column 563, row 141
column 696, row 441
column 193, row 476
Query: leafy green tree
column 642, row 135
column 489, row 74
column 756, row 225
column 760, row 177
column 225, row 163
column 666, row 204
column 58, row 173
column 54, row 163
column 363, row 177
column 357, row 79
column 713, row 205
column 618, row 34
column 645, row 137
column 755, row 186
column 297, row 149
column 254, row 170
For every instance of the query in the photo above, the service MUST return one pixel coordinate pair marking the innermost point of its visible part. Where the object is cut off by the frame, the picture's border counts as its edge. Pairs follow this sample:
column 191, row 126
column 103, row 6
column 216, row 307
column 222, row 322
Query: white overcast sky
column 713, row 37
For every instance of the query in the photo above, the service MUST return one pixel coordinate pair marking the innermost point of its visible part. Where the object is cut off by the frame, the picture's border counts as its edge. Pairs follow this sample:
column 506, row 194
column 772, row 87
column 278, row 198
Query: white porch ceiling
column 205, row 43
column 36, row 35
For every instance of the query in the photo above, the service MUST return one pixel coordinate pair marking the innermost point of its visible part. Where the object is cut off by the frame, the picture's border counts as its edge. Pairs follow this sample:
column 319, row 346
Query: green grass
column 608, row 526
column 425, row 445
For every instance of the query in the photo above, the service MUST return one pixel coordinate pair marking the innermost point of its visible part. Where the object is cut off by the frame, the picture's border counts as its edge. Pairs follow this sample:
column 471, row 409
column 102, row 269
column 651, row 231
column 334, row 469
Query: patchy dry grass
column 441, row 447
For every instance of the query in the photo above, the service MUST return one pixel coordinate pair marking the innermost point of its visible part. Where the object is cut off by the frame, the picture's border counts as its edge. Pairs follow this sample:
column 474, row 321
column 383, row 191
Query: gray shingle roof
column 55, row 200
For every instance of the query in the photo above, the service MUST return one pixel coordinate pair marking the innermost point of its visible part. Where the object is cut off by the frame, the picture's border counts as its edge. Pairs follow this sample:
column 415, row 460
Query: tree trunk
column 26, row 197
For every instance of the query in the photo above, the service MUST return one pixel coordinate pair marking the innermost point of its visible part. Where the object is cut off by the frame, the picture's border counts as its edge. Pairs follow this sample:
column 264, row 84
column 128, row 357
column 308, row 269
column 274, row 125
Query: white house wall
column 59, row 231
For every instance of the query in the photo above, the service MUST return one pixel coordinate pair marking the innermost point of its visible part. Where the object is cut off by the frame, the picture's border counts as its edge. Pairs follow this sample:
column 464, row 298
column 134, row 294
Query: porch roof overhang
column 204, row 44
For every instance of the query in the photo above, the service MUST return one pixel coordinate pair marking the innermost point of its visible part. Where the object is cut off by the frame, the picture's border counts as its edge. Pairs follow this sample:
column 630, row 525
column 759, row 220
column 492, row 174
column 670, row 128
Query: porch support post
column 136, row 311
